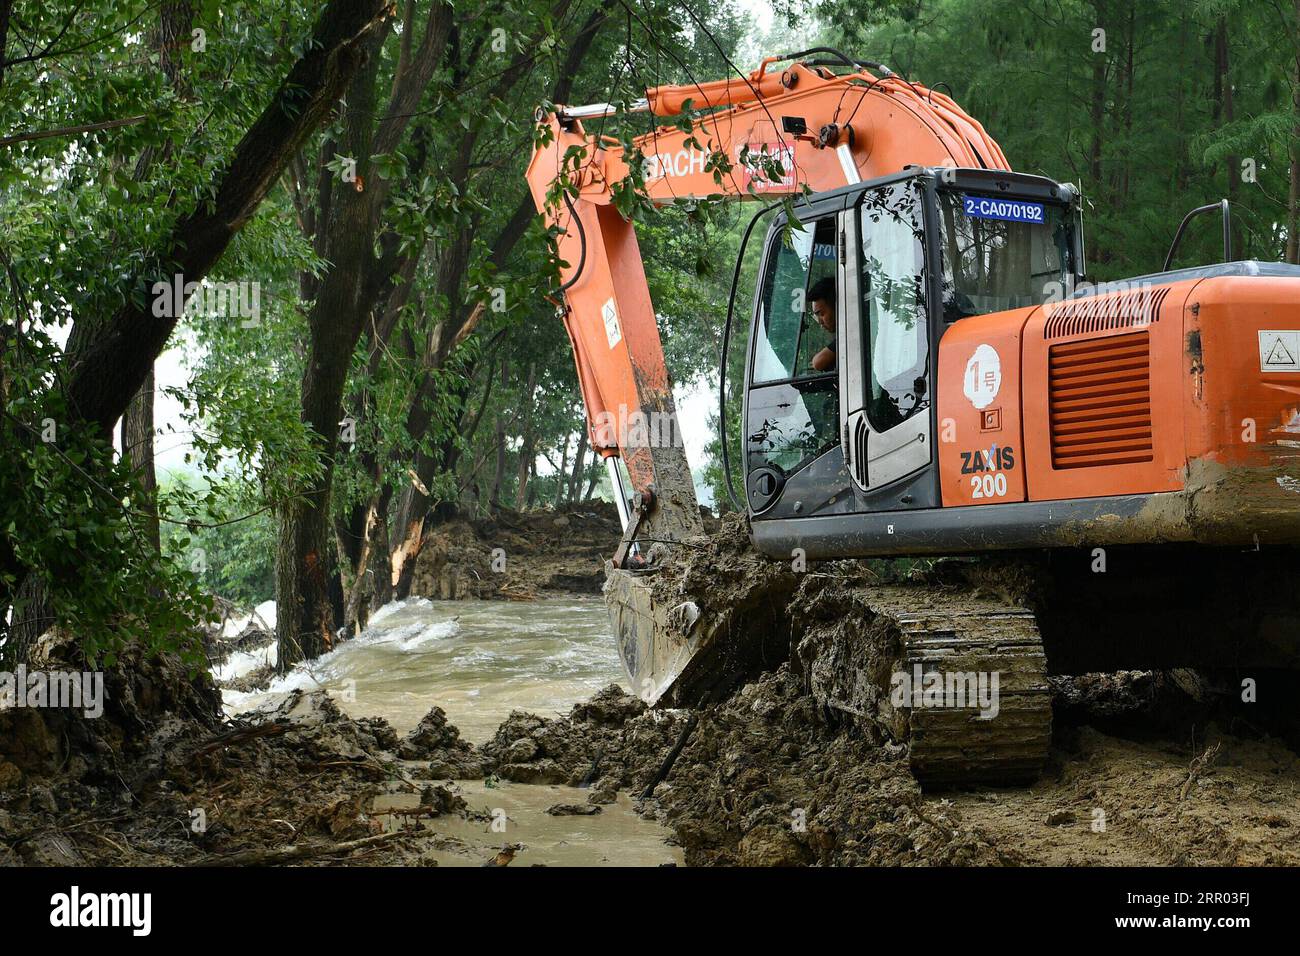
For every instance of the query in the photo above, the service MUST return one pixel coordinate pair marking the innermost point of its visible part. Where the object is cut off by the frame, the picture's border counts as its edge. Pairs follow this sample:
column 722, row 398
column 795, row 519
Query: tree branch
column 71, row 130
column 109, row 365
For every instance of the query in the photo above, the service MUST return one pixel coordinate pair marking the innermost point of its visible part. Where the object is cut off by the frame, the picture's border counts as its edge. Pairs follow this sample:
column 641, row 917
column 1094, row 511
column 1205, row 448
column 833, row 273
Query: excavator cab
column 903, row 258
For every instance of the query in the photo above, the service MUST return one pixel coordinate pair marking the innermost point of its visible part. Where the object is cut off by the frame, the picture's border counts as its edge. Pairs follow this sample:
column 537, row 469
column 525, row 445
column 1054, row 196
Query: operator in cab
column 821, row 299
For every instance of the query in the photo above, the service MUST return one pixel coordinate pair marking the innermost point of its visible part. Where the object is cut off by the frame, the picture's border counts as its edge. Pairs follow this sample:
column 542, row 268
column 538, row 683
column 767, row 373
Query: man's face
column 825, row 314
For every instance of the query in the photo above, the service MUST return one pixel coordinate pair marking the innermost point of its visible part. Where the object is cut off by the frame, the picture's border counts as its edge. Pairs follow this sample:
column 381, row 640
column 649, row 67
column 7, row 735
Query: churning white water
column 477, row 660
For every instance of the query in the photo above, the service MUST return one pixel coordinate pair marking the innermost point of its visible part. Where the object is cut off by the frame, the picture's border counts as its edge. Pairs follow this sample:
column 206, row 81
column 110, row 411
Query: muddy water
column 479, row 660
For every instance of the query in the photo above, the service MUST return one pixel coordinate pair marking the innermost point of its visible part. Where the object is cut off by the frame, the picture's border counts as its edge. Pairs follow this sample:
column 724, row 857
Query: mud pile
column 518, row 555
column 160, row 779
column 761, row 780
column 610, row 742
column 438, row 742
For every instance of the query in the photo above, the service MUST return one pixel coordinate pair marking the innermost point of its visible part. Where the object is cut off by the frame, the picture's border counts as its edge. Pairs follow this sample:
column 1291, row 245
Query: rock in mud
column 768, row 845
column 436, row 801
column 436, row 740
column 573, row 810
column 593, row 744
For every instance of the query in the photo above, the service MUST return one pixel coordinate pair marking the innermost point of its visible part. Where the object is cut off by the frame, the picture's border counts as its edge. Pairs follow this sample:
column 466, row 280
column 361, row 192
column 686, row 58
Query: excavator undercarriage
column 956, row 659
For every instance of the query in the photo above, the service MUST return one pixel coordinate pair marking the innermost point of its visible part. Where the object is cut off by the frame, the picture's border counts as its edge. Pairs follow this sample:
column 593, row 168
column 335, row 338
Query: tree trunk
column 562, row 474
column 499, row 473
column 532, row 489
column 526, row 448
column 579, row 462
column 175, row 21
column 309, row 590
column 381, row 556
column 137, row 448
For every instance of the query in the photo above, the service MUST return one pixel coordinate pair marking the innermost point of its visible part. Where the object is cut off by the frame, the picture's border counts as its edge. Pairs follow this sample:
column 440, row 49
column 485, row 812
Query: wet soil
column 764, row 778
column 518, row 555
column 162, row 779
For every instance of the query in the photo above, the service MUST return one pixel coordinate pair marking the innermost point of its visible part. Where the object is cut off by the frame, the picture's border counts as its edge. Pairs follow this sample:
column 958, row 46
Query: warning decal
column 612, row 330
column 1279, row 350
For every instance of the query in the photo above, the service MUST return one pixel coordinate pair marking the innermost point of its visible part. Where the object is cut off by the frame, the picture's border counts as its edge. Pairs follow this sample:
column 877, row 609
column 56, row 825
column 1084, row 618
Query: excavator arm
column 769, row 134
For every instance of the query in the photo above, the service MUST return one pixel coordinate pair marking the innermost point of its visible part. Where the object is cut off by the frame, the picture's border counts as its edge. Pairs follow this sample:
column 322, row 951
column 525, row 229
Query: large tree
column 62, row 405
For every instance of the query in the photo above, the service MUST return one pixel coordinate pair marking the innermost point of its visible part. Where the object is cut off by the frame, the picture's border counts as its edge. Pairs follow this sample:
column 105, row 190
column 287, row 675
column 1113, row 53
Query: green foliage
column 72, row 515
column 87, row 215
column 231, row 551
column 1142, row 125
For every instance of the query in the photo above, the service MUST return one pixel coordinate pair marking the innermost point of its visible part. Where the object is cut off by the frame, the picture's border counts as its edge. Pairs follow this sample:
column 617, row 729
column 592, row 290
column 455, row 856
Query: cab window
column 896, row 345
column 794, row 398
column 796, row 308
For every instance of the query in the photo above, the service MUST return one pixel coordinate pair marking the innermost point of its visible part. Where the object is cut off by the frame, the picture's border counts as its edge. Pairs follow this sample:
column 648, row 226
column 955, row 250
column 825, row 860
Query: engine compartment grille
column 1099, row 401
column 1100, row 313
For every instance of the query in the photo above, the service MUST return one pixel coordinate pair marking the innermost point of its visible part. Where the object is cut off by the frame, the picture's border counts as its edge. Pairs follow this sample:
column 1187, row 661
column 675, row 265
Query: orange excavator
column 928, row 371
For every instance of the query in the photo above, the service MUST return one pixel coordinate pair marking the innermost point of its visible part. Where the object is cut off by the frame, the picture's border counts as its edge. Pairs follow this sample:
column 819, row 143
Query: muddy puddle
column 516, row 818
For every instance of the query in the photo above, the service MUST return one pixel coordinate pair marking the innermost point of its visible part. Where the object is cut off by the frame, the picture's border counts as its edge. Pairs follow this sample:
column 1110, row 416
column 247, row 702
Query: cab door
column 885, row 374
column 792, row 400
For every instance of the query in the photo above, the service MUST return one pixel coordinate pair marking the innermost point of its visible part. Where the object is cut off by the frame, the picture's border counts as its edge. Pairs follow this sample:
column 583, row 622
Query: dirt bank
column 161, row 779
column 518, row 555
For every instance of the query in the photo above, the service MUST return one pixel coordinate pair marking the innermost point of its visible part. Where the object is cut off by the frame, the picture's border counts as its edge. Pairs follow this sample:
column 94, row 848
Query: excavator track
column 960, row 678
column 956, row 634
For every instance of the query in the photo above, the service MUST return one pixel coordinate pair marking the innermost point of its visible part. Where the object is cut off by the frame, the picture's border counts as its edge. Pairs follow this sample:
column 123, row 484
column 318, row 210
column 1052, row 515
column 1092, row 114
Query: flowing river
column 478, row 661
